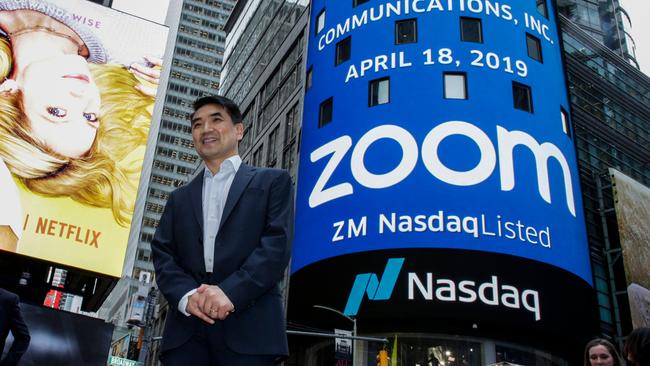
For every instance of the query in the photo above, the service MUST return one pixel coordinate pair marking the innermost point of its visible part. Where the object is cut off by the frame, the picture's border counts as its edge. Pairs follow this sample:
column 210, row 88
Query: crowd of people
column 601, row 352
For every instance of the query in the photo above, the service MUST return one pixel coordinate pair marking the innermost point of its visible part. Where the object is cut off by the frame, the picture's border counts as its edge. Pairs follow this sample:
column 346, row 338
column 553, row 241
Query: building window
column 356, row 3
column 455, row 85
column 541, row 8
column 378, row 91
column 406, row 31
column 522, row 97
column 257, row 156
column 245, row 142
column 308, row 78
column 325, row 112
column 272, row 148
column 289, row 159
column 320, row 21
column 534, row 47
column 471, row 30
column 566, row 127
column 291, row 129
column 343, row 50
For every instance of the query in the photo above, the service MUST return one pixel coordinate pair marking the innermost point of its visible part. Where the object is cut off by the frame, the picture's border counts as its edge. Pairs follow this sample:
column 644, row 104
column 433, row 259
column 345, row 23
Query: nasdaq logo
column 375, row 288
column 427, row 287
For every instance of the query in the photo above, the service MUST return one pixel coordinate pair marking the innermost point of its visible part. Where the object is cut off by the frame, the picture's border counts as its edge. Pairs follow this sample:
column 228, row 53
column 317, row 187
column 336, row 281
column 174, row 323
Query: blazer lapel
column 239, row 184
column 196, row 196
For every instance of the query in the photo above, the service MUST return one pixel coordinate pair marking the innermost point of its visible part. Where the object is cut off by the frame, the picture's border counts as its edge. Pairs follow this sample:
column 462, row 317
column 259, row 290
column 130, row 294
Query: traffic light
column 382, row 358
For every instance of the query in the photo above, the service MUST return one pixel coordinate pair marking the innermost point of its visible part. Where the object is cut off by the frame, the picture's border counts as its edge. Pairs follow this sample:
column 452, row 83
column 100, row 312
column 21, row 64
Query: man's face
column 214, row 134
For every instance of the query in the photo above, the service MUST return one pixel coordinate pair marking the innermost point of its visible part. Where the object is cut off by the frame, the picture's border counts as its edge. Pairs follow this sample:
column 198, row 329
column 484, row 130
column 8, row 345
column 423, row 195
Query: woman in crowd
column 601, row 352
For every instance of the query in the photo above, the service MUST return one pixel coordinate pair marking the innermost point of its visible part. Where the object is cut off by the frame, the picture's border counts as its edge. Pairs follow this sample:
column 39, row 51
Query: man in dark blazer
column 221, row 249
column 12, row 320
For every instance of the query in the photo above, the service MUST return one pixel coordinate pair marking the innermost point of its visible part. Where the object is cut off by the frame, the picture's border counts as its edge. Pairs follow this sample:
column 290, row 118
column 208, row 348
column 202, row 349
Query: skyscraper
column 611, row 114
column 195, row 71
column 604, row 20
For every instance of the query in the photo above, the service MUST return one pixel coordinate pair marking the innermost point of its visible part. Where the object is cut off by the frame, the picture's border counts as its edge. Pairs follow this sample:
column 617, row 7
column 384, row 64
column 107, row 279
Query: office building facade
column 264, row 74
column 604, row 20
column 610, row 101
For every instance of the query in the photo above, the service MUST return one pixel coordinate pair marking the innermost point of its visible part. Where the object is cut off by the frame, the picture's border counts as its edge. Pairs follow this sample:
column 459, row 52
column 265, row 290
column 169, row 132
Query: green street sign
column 118, row 361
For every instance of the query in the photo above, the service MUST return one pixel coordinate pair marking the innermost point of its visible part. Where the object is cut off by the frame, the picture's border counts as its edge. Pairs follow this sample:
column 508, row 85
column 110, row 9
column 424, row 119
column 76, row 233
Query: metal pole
column 354, row 328
column 146, row 341
column 354, row 342
column 335, row 311
column 602, row 210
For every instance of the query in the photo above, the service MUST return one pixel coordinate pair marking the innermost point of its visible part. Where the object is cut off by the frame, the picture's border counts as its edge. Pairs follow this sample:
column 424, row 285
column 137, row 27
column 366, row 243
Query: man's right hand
column 195, row 304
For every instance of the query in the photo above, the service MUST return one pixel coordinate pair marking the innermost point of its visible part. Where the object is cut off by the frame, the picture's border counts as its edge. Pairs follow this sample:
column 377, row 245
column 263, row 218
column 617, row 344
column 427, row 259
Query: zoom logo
column 428, row 288
column 368, row 283
column 508, row 142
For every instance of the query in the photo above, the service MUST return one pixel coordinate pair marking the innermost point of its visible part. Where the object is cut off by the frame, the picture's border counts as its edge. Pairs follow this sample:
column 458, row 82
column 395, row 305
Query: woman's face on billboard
column 61, row 101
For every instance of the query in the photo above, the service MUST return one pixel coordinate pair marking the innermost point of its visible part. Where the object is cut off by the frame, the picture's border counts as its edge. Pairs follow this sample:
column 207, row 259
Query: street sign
column 343, row 347
column 118, row 361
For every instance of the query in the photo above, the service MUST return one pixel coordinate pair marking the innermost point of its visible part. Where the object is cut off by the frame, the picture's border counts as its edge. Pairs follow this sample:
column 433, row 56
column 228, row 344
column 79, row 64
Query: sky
column 154, row 10
column 639, row 11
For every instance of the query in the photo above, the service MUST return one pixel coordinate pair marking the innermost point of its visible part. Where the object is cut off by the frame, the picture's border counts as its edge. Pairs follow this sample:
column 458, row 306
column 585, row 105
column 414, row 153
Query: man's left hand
column 217, row 304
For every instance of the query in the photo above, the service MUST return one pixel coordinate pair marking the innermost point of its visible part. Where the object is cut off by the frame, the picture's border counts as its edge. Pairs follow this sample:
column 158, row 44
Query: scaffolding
column 612, row 252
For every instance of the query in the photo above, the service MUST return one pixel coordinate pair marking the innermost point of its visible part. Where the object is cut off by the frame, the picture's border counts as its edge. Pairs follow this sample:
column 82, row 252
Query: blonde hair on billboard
column 6, row 58
column 95, row 179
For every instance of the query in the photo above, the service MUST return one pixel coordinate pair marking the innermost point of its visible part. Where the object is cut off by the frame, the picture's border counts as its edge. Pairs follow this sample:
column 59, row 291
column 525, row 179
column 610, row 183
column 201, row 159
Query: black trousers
column 208, row 348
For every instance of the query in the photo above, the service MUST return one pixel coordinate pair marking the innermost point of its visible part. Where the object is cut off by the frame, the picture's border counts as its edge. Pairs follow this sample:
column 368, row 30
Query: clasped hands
column 209, row 303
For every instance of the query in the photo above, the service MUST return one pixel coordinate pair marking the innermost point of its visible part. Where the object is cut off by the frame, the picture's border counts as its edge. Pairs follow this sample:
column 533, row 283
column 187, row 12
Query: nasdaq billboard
column 437, row 131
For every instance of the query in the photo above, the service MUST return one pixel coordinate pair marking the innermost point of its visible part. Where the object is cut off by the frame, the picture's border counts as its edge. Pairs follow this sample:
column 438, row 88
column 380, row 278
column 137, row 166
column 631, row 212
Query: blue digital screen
column 438, row 124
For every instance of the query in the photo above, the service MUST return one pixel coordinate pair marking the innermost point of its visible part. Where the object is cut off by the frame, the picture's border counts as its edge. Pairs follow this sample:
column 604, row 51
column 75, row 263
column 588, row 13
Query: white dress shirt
column 215, row 192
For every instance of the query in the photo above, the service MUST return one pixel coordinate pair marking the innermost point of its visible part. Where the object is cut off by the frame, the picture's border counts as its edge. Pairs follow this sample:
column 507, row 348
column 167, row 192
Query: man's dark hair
column 227, row 104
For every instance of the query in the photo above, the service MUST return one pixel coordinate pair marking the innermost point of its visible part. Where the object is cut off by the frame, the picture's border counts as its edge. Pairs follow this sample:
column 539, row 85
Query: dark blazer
column 12, row 320
column 252, row 250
